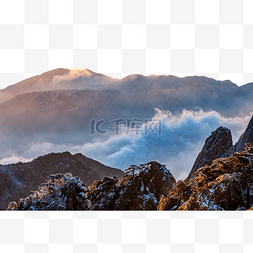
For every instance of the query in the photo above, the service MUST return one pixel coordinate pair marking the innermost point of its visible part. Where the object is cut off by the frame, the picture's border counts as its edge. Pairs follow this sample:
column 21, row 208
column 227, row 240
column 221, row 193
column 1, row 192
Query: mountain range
column 57, row 107
column 66, row 100
column 53, row 112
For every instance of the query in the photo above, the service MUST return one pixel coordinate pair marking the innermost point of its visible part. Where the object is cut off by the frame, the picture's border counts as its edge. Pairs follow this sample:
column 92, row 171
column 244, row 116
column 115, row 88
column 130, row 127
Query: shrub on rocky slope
column 141, row 189
column 59, row 192
column 224, row 185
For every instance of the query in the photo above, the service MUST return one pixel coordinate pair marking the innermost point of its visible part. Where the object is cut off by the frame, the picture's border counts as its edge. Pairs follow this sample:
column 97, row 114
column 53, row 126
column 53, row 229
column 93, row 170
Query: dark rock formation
column 104, row 193
column 17, row 180
column 59, row 192
column 224, row 185
column 140, row 189
column 216, row 146
column 247, row 137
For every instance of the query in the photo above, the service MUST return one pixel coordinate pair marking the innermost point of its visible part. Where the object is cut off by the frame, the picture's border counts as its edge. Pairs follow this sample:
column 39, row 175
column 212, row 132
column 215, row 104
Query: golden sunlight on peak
column 80, row 72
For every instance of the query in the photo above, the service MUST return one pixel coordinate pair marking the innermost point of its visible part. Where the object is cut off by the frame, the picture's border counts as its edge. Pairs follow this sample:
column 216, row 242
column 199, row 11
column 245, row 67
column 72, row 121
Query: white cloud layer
column 177, row 146
column 14, row 159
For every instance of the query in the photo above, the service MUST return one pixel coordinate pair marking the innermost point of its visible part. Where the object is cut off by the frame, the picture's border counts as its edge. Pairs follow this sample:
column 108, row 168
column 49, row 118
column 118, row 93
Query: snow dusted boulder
column 224, row 185
column 143, row 186
column 59, row 192
column 216, row 145
column 102, row 194
column 140, row 189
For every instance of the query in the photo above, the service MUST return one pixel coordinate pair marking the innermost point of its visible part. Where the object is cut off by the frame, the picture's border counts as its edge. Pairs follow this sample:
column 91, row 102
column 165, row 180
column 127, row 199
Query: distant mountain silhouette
column 59, row 110
column 167, row 92
column 67, row 100
column 57, row 79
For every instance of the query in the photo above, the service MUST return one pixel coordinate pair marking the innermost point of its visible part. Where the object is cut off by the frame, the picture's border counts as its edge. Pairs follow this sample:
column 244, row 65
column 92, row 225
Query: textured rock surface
column 224, row 185
column 247, row 137
column 59, row 192
column 216, row 146
column 140, row 189
column 103, row 194
column 17, row 180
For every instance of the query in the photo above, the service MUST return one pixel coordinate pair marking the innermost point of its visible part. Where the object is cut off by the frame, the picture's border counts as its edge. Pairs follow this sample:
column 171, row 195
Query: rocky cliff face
column 141, row 189
column 247, row 137
column 219, row 145
column 217, row 184
column 17, row 180
column 216, row 146
column 224, row 185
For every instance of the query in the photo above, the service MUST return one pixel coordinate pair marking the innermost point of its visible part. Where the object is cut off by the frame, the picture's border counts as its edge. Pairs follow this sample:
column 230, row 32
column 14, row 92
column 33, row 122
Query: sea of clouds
column 177, row 146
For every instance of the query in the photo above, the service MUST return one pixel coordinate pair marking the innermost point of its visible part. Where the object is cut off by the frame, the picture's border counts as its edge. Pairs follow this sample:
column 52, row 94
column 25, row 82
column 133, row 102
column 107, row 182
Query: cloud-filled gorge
column 182, row 137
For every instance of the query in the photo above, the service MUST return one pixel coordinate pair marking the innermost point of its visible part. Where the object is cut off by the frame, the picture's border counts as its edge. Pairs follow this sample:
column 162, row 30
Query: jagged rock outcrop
column 17, row 180
column 104, row 193
column 224, row 185
column 247, row 137
column 59, row 192
column 140, row 189
column 216, row 146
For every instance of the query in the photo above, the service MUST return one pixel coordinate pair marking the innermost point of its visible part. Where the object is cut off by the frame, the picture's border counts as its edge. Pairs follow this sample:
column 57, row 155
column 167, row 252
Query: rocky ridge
column 140, row 189
column 220, row 145
column 221, row 177
column 224, row 185
column 216, row 145
column 17, row 180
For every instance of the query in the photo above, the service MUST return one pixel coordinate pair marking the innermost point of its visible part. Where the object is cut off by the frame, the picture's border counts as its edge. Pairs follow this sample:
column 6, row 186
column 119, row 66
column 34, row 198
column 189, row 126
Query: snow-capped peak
column 80, row 72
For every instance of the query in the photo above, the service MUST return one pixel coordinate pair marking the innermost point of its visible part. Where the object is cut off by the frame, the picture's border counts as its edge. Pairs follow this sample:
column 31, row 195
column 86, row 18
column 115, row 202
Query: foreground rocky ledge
column 224, row 185
column 141, row 189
